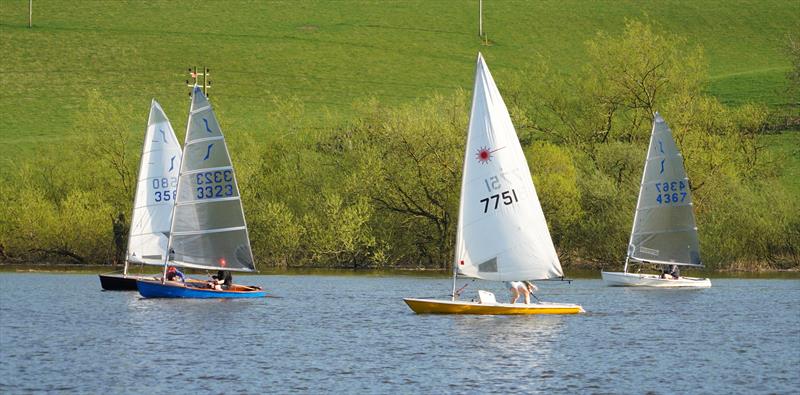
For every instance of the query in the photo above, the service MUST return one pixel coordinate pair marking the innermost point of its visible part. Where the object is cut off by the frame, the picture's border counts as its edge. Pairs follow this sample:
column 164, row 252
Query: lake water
column 354, row 334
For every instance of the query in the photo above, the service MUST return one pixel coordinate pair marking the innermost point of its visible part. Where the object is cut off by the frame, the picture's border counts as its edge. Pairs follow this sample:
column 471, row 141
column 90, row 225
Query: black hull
column 116, row 282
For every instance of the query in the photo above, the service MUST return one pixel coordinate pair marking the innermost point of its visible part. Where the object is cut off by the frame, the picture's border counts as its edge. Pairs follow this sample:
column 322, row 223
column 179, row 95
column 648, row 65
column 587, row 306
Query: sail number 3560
column 164, row 189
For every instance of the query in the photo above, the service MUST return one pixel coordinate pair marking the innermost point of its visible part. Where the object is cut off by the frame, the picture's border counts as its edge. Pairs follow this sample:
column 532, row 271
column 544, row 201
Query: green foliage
column 64, row 201
column 556, row 181
column 275, row 234
column 338, row 233
column 407, row 162
column 75, row 229
column 746, row 225
column 605, row 115
column 382, row 188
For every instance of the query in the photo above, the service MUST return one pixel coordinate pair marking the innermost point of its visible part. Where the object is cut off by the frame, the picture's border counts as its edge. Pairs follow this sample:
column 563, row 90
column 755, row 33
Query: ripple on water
column 355, row 335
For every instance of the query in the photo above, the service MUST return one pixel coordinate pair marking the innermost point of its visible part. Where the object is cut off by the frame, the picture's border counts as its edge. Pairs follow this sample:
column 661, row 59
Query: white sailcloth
column 664, row 229
column 502, row 233
column 155, row 191
column 208, row 228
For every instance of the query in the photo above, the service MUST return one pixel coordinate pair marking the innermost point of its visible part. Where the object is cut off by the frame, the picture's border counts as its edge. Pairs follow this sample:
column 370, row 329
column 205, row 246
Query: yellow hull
column 431, row 306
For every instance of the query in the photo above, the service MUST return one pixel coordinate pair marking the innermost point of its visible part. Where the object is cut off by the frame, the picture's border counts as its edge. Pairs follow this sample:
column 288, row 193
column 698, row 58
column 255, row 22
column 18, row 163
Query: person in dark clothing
column 672, row 272
column 120, row 233
column 225, row 278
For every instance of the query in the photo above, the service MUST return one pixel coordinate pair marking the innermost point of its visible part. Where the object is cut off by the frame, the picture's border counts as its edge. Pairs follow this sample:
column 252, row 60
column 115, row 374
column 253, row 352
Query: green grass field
column 333, row 53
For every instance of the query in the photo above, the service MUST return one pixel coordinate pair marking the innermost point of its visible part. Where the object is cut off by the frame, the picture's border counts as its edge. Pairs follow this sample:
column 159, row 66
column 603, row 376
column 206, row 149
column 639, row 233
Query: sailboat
column 153, row 202
column 664, row 230
column 208, row 227
column 502, row 234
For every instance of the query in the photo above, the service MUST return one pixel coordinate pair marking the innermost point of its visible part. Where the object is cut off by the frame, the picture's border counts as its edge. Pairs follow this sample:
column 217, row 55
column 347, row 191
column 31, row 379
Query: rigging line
column 458, row 292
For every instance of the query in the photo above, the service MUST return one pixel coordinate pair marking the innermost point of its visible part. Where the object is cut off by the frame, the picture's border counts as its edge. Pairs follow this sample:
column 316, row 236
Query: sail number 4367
column 508, row 197
column 671, row 192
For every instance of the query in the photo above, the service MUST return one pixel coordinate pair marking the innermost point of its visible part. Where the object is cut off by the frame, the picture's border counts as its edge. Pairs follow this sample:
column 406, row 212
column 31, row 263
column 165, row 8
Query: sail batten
column 155, row 191
column 203, row 140
column 502, row 234
column 208, row 169
column 208, row 229
column 664, row 228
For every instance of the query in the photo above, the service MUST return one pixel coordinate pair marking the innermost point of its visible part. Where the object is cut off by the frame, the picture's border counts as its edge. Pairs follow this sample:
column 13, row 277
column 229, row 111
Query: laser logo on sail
column 484, row 154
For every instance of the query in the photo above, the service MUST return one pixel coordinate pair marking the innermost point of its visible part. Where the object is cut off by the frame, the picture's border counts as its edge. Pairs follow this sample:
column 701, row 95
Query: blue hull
column 155, row 289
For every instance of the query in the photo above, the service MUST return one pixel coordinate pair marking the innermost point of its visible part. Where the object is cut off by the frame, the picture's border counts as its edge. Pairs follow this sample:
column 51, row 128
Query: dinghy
column 664, row 230
column 208, row 228
column 502, row 234
column 153, row 202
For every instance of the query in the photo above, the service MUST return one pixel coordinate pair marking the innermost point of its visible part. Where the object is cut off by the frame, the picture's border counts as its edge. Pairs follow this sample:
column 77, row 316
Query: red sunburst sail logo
column 484, row 155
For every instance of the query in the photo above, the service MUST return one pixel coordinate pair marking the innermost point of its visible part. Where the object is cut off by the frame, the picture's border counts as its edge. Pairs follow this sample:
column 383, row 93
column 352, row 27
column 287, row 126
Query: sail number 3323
column 671, row 192
column 214, row 184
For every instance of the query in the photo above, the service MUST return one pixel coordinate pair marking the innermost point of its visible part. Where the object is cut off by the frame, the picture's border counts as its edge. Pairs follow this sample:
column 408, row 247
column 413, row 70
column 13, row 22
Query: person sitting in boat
column 225, row 278
column 215, row 284
column 671, row 273
column 521, row 288
column 173, row 273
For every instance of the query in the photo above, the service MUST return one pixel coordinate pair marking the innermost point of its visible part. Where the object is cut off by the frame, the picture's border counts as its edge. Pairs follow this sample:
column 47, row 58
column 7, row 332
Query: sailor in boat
column 671, row 273
column 521, row 288
column 173, row 273
column 224, row 278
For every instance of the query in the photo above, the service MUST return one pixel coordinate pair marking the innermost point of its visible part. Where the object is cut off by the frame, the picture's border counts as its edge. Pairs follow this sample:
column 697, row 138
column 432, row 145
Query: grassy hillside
column 332, row 53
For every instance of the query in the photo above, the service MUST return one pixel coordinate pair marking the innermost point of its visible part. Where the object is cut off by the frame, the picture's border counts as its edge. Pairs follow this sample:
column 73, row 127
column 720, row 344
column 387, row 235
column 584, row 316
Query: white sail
column 502, row 233
column 208, row 227
column 664, row 229
column 155, row 191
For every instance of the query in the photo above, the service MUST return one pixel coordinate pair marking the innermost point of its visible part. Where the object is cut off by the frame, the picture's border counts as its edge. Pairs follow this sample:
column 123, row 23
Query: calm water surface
column 353, row 334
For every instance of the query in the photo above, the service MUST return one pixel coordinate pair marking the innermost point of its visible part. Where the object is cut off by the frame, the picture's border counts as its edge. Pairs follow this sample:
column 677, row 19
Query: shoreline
column 570, row 272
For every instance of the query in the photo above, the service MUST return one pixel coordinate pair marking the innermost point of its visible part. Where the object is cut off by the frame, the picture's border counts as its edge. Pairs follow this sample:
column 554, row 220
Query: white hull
column 619, row 279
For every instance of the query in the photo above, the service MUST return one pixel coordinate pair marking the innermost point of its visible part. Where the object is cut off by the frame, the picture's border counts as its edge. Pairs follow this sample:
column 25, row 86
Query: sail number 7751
column 508, row 198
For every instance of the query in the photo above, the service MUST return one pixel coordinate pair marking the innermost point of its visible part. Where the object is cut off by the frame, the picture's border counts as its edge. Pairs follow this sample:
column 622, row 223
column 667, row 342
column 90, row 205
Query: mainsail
column 664, row 229
column 208, row 228
column 155, row 191
column 502, row 233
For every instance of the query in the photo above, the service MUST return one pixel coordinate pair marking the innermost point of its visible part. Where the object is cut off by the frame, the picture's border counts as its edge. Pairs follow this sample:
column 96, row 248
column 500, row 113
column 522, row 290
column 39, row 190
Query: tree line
column 382, row 188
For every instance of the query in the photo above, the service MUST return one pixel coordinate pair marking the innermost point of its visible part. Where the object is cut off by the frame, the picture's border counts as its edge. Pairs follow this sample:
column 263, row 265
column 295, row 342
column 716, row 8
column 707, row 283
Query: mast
column 463, row 183
column 178, row 189
column 136, row 191
column 639, row 198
